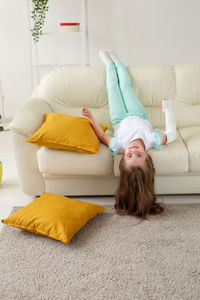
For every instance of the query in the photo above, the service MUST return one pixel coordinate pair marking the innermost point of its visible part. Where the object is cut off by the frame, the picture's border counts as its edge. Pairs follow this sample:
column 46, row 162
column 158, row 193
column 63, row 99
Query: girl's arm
column 164, row 140
column 170, row 123
column 104, row 138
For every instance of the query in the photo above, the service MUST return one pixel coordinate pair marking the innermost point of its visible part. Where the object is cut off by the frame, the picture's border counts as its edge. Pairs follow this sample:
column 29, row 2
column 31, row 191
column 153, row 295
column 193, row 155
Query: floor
column 11, row 194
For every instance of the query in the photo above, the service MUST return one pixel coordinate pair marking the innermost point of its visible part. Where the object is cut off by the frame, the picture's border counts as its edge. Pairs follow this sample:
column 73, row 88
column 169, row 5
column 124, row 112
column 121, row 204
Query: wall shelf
column 55, row 65
column 38, row 65
column 63, row 32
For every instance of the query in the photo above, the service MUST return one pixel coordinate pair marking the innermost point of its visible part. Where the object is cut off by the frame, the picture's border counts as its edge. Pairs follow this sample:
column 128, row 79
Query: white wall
column 142, row 32
column 146, row 32
column 14, row 54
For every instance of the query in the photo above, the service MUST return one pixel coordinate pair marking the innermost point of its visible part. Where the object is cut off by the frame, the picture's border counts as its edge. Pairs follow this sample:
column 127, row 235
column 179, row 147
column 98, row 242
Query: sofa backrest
column 187, row 100
column 68, row 89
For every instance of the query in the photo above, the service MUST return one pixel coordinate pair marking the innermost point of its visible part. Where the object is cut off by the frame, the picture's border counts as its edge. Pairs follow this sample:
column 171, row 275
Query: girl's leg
column 116, row 104
column 132, row 103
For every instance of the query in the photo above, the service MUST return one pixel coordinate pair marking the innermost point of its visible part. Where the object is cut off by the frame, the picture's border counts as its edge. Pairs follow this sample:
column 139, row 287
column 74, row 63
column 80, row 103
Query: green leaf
column 38, row 14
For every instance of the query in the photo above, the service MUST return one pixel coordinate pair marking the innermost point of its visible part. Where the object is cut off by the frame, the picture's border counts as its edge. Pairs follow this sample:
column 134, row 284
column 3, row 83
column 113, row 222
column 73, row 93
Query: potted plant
column 1, row 127
column 38, row 14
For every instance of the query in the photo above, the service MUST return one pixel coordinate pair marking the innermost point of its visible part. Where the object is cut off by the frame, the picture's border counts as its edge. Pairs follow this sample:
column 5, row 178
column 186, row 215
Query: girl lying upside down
column 133, row 136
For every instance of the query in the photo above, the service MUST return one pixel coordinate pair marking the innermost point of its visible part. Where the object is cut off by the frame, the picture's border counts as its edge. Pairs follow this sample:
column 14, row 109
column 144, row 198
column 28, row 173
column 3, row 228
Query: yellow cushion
column 61, row 131
column 54, row 216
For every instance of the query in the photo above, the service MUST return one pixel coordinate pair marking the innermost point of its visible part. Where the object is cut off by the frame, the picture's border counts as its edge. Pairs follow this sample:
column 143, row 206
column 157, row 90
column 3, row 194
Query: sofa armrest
column 29, row 175
column 30, row 117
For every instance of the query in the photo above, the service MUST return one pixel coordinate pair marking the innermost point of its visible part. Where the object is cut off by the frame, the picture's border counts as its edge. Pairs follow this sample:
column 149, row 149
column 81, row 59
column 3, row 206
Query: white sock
column 113, row 56
column 103, row 55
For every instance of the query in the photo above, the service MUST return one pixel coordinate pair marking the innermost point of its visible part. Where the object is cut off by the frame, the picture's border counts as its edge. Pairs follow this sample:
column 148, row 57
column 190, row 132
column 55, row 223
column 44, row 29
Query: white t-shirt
column 132, row 128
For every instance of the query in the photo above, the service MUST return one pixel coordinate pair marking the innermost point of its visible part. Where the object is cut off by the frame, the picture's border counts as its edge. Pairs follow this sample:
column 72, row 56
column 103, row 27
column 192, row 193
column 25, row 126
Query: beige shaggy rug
column 109, row 258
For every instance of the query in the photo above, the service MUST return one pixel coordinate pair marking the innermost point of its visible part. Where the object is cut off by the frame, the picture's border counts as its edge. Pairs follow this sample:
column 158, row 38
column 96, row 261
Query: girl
column 133, row 136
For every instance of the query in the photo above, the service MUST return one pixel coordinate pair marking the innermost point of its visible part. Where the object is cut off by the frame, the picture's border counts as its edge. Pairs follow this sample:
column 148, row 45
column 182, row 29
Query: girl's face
column 135, row 154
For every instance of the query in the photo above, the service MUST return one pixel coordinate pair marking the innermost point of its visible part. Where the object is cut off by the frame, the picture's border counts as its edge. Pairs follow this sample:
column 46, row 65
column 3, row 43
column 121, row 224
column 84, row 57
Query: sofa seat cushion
column 53, row 161
column 191, row 137
column 171, row 160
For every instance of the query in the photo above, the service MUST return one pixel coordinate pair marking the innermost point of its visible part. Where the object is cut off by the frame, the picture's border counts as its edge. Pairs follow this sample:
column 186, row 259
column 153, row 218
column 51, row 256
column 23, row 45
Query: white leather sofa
column 66, row 90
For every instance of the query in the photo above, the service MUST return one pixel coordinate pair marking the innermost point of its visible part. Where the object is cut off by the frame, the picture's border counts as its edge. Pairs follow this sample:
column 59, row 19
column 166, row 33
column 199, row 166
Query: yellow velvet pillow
column 57, row 217
column 61, row 131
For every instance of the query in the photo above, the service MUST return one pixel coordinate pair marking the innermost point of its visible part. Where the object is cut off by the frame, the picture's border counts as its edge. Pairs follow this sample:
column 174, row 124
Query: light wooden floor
column 11, row 194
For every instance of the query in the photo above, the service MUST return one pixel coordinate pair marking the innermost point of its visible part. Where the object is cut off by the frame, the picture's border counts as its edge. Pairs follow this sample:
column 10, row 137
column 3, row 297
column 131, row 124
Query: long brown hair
column 136, row 193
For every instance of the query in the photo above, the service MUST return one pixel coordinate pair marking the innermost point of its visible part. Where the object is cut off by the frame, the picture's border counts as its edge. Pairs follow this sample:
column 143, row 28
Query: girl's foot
column 105, row 58
column 113, row 56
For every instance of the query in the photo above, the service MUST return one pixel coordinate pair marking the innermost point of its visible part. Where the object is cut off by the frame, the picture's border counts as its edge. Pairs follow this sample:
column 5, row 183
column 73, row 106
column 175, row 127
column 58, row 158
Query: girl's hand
column 160, row 105
column 87, row 113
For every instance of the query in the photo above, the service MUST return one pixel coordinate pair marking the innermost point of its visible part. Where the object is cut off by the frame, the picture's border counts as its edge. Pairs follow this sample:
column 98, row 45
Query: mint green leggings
column 122, row 99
